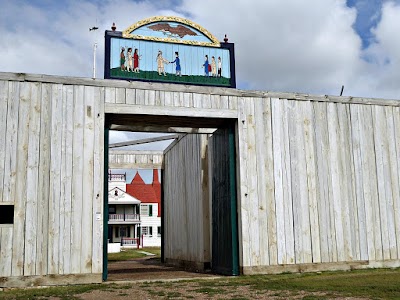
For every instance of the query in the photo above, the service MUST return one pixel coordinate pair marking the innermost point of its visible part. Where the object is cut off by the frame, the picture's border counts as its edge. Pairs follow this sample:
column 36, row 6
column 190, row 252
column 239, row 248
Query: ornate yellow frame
column 127, row 32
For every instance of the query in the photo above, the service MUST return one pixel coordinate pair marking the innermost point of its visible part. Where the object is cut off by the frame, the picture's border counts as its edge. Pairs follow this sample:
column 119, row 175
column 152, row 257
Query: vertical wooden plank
column 206, row 101
column 140, row 99
column 159, row 98
column 88, row 160
column 98, row 173
column 21, row 180
column 120, row 95
column 299, row 185
column 266, row 199
column 369, row 180
column 224, row 102
column 168, row 98
column 233, row 102
column 215, row 101
column 391, row 185
column 130, row 96
column 278, row 141
column 66, row 181
column 150, row 97
column 3, row 129
column 110, row 96
column 176, row 100
column 336, row 171
column 309, row 146
column 384, row 195
column 197, row 100
column 394, row 169
column 10, row 162
column 324, row 190
column 187, row 99
column 55, row 179
column 44, row 180
column 32, row 181
column 358, row 177
column 77, row 179
column 243, row 183
column 6, row 242
column 349, row 215
column 270, row 185
column 253, row 182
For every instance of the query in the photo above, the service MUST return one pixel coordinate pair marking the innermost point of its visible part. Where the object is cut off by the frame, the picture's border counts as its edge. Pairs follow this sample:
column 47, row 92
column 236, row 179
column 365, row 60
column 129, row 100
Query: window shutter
column 150, row 210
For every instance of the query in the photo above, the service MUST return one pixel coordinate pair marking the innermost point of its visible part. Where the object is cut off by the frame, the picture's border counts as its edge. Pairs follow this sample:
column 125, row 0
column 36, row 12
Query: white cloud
column 300, row 46
column 380, row 75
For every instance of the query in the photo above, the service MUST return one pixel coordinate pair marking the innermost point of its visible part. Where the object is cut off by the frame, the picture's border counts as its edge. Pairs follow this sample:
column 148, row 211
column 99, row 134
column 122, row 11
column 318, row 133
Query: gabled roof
column 118, row 196
column 140, row 190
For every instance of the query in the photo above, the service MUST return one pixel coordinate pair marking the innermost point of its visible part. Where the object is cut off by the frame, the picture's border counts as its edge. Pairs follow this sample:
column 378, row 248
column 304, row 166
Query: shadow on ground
column 149, row 269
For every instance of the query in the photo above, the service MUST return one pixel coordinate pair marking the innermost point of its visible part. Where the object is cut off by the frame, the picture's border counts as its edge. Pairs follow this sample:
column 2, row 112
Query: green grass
column 133, row 253
column 153, row 76
column 379, row 283
column 374, row 284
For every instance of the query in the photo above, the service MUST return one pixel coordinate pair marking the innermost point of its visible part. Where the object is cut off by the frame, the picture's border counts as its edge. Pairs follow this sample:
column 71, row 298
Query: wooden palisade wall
column 135, row 159
column 318, row 180
column 51, row 170
column 187, row 203
column 322, row 184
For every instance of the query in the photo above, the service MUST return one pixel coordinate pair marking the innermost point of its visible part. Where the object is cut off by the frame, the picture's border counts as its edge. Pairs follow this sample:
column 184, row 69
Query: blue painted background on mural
column 191, row 57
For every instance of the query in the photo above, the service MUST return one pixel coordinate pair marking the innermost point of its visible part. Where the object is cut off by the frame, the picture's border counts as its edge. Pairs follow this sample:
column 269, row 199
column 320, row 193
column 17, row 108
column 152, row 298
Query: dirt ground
column 148, row 269
column 148, row 278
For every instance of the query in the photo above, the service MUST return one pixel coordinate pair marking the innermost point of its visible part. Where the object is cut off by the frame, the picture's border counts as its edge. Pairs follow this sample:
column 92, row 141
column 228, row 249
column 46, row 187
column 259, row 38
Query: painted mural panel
column 166, row 50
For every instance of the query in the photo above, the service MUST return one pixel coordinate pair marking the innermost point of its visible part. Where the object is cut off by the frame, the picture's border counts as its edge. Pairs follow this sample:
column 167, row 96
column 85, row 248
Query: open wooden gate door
column 225, row 259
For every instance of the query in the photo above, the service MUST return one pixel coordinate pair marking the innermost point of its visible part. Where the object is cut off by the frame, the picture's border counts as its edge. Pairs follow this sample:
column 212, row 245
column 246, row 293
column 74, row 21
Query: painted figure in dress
column 160, row 63
column 136, row 58
column 219, row 66
column 122, row 59
column 206, row 65
column 213, row 67
column 178, row 64
column 130, row 60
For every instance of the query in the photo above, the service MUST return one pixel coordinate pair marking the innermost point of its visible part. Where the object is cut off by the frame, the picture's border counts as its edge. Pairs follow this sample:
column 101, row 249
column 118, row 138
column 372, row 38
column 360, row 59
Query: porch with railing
column 130, row 242
column 121, row 218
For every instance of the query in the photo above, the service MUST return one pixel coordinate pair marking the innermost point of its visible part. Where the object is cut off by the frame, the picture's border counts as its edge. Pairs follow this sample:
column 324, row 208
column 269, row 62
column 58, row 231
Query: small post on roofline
column 341, row 92
column 94, row 28
column 94, row 60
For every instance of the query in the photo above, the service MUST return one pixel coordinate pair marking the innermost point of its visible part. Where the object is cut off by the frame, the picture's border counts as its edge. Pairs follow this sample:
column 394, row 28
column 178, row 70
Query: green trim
column 105, row 205
column 232, row 186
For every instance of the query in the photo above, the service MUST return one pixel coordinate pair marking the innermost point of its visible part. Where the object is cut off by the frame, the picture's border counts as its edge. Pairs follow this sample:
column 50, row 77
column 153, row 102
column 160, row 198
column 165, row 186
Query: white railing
column 129, row 242
column 123, row 217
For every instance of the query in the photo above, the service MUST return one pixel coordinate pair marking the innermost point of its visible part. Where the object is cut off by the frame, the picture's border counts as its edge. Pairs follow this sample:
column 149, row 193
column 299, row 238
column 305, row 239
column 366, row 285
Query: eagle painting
column 178, row 31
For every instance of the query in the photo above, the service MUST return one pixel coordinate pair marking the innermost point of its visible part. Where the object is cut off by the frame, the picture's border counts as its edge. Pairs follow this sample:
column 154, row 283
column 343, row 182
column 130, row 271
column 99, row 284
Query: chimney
column 157, row 189
column 155, row 176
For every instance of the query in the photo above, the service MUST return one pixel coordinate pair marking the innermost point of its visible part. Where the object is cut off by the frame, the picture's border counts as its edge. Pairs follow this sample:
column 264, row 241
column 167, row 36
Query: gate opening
column 198, row 190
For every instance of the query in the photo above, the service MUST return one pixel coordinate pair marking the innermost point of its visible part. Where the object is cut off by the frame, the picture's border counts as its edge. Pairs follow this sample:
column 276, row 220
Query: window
column 147, row 231
column 158, row 231
column 6, row 214
column 146, row 210
column 112, row 209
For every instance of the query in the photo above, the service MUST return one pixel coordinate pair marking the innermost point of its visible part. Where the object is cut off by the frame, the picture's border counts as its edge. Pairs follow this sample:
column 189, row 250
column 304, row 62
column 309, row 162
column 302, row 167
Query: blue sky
column 308, row 46
column 312, row 47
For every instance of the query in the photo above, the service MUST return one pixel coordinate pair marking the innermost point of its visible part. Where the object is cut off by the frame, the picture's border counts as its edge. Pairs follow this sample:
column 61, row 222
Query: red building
column 146, row 193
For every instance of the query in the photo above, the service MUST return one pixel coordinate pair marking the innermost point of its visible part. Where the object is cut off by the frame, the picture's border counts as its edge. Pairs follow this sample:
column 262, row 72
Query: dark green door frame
column 225, row 246
column 105, row 202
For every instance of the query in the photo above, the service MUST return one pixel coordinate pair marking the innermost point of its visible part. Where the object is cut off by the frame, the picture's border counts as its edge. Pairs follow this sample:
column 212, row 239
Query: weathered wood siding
column 187, row 202
column 318, row 176
column 51, row 170
column 135, row 159
column 319, row 184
